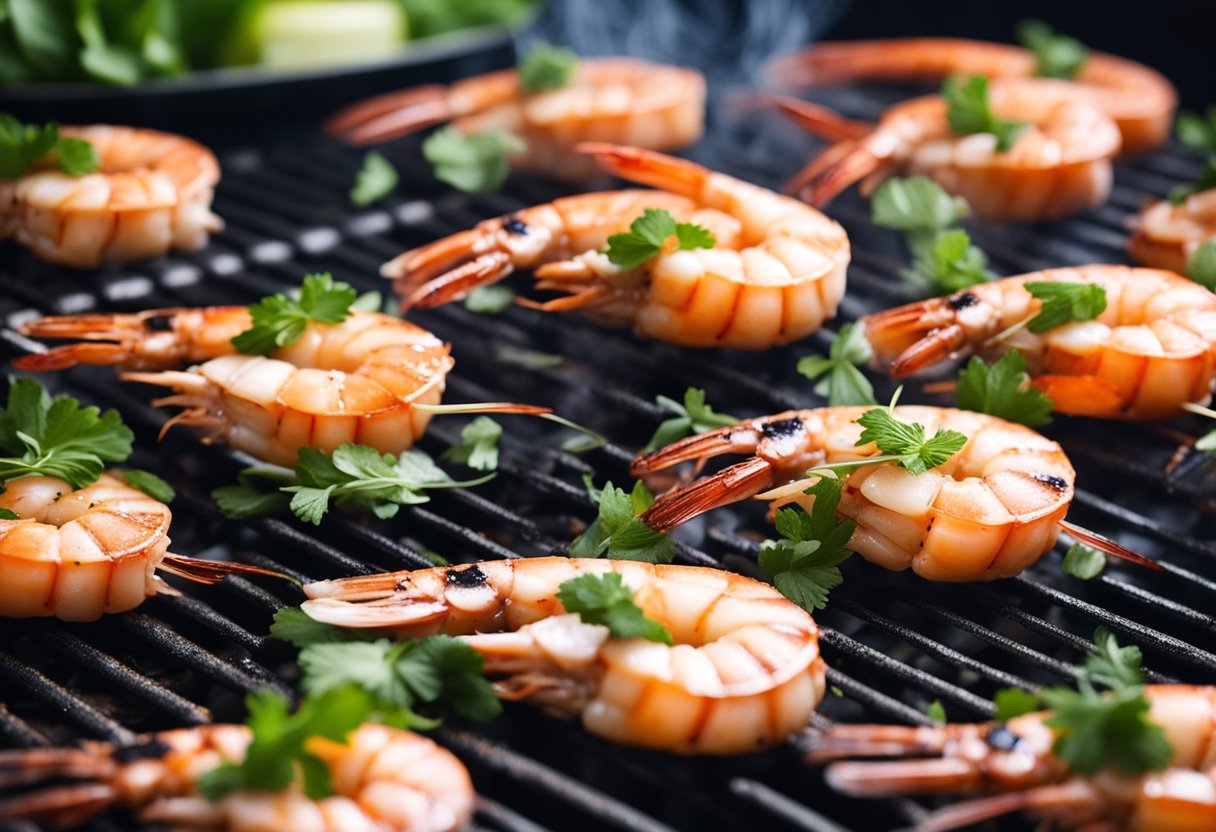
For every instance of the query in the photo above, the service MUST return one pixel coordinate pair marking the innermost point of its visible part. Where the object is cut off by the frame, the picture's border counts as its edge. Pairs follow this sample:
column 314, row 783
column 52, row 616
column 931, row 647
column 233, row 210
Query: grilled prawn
column 776, row 274
column 620, row 100
column 1060, row 165
column 385, row 780
column 1016, row 760
column 745, row 671
column 78, row 553
column 1138, row 98
column 992, row 510
column 152, row 193
column 1166, row 234
column 1149, row 353
column 358, row 381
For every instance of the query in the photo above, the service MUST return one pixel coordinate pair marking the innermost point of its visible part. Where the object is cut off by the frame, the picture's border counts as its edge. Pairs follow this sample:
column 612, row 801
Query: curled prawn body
column 1151, row 351
column 356, row 381
column 618, row 100
column 151, row 193
column 1166, row 235
column 1015, row 760
column 1138, row 98
column 385, row 780
column 775, row 274
column 1059, row 165
column 992, row 510
column 744, row 673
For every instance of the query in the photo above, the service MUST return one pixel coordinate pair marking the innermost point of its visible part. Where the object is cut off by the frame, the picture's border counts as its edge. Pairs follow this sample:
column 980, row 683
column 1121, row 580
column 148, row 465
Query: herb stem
column 1199, row 409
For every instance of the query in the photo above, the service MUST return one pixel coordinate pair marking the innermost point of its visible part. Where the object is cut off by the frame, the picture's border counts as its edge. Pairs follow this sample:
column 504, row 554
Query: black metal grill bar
column 64, row 702
column 774, row 802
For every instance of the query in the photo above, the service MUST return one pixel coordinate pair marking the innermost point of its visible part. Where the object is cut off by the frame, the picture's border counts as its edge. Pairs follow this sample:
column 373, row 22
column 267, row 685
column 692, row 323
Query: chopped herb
column 256, row 493
column 1055, row 55
column 936, row 711
column 946, row 262
column 1014, row 702
column 376, row 179
column 1199, row 132
column 276, row 755
column 915, row 204
column 651, row 234
column 1064, row 303
column 1084, row 562
column 295, row 627
column 605, row 600
column 22, row 145
column 478, row 446
column 804, row 564
column 489, row 300
column 969, row 111
column 1201, row 267
column 476, row 163
column 280, row 320
column 1207, row 443
column 150, row 484
column 9, row 514
column 1205, row 181
column 840, row 379
column 906, row 443
column 616, row 532
column 547, row 67
column 41, row 436
column 1003, row 389
column 692, row 417
column 368, row 302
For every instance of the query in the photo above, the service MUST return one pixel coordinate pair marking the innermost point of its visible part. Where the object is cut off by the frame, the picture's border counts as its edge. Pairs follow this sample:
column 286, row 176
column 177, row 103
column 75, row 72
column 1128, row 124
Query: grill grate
column 894, row 642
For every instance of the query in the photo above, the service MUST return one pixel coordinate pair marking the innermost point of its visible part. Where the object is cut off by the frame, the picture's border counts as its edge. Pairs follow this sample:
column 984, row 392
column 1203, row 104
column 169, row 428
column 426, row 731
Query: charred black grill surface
column 894, row 642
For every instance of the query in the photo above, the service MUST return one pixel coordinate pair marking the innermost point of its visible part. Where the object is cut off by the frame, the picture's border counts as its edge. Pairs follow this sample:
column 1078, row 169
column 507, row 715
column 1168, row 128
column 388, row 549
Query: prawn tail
column 730, row 485
column 391, row 115
column 832, row 171
column 820, row 121
column 1052, row 799
column 455, row 284
column 583, row 299
column 210, row 572
column 72, row 355
column 648, row 167
column 1105, row 544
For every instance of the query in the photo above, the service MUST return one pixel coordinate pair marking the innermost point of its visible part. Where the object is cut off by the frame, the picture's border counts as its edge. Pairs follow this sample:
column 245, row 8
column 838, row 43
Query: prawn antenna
column 1105, row 544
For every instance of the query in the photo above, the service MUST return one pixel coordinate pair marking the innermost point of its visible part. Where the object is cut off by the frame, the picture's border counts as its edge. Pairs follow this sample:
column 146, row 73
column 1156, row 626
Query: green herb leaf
column 376, row 179
column 648, row 235
column 1065, row 302
column 915, row 204
column 1201, row 268
column 1055, row 55
column 294, row 626
column 1207, row 443
column 77, row 157
column 1014, row 702
column 617, row 533
column 257, row 492
column 936, row 711
column 489, row 300
column 804, row 564
column 1084, row 562
column 604, row 599
column 840, row 379
column 478, row 446
column 276, row 753
column 41, row 436
column 906, row 442
column 946, row 262
column 9, row 514
column 1003, row 389
column 22, row 145
column 1112, row 666
column 280, row 320
column 692, row 417
column 1206, row 181
column 1197, row 131
column 1097, row 730
column 546, row 67
column 476, row 163
column 150, row 484
column 968, row 111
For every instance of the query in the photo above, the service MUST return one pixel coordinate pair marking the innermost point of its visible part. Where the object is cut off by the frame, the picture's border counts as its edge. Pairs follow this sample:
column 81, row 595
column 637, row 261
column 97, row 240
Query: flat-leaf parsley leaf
column 605, row 600
column 478, row 446
column 905, row 442
column 1065, row 302
column 375, row 180
column 1003, row 389
column 655, row 232
column 693, row 417
column 1055, row 55
column 21, row 145
column 476, row 163
column 839, row 377
column 969, row 111
column 546, row 67
column 280, row 320
column 616, row 532
column 804, row 563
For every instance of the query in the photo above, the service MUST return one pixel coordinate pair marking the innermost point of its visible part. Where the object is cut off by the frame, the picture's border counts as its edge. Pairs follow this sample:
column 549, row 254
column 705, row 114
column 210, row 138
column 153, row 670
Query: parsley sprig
column 1065, row 302
column 354, row 475
column 839, row 377
column 1055, row 55
column 376, row 179
column 1199, row 132
column 1201, row 267
column 1084, row 562
column 478, row 446
column 1003, row 389
column 280, row 320
column 654, row 233
column 1096, row 729
column 546, row 67
column 969, row 111
column 605, row 600
column 476, row 163
column 22, row 145
column 489, row 300
column 692, row 417
column 277, row 753
column 943, row 257
column 804, row 563
column 616, row 532
column 41, row 436
column 905, row 443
